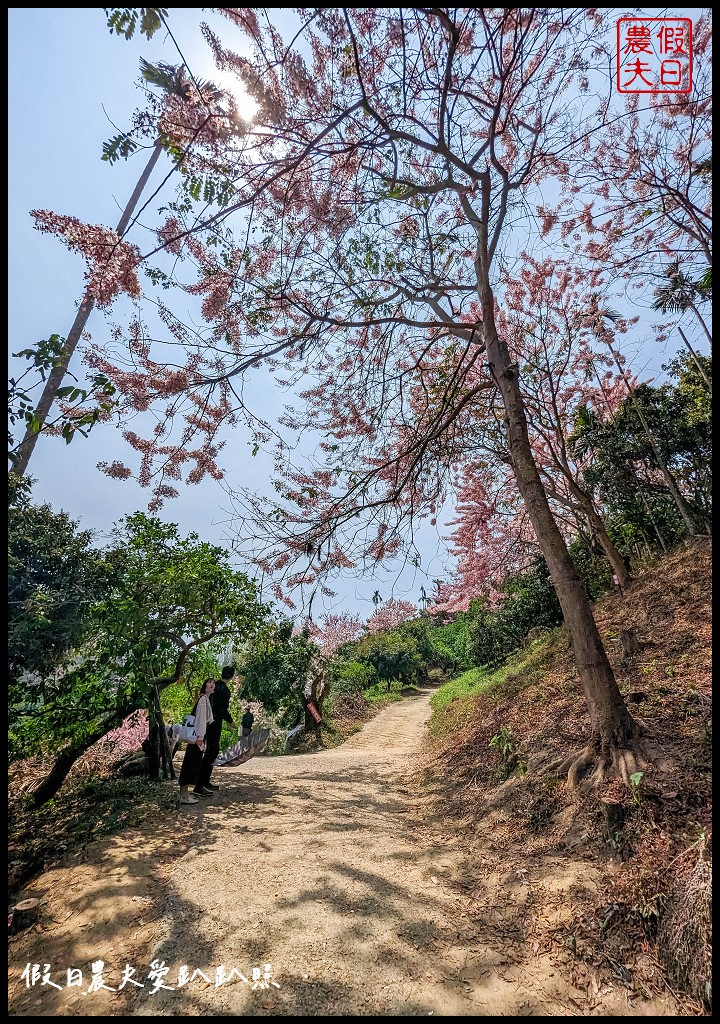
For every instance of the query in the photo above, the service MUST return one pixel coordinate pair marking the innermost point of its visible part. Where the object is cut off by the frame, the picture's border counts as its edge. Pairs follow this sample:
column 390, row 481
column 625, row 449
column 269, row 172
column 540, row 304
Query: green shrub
column 506, row 746
column 528, row 601
column 392, row 655
column 384, row 692
column 351, row 677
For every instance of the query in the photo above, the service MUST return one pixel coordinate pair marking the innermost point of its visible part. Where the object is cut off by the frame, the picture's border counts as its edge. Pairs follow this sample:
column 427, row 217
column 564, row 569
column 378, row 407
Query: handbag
column 187, row 730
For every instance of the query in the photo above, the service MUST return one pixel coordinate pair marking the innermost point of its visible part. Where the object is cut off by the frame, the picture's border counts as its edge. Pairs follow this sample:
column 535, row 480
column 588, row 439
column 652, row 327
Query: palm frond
column 123, row 20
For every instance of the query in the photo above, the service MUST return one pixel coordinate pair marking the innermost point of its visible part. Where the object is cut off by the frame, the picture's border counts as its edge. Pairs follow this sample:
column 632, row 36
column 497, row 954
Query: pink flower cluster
column 335, row 630
column 112, row 263
column 391, row 615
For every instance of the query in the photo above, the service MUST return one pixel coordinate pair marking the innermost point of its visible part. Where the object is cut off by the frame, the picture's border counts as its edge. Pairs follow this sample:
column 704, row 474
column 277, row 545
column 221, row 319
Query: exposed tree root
column 589, row 769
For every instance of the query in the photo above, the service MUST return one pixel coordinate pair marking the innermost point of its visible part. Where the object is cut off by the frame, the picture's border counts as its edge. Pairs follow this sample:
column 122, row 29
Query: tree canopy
column 162, row 598
column 377, row 240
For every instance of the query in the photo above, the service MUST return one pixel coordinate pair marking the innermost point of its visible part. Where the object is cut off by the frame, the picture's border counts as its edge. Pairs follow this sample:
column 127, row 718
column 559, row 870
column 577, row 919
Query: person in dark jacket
column 247, row 722
column 220, row 701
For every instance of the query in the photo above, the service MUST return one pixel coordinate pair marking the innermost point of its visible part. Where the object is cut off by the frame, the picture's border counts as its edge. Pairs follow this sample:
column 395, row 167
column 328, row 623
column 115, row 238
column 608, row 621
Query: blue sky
column 72, row 85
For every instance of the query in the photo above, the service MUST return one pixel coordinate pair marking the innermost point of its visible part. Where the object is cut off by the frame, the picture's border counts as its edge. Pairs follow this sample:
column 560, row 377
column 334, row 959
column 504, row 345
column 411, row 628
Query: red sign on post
column 654, row 55
column 313, row 711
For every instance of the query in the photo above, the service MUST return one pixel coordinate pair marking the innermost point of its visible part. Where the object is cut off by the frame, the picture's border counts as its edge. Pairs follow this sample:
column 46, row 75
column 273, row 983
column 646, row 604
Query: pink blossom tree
column 187, row 122
column 380, row 196
column 548, row 316
column 333, row 631
column 128, row 737
column 552, row 314
column 390, row 616
column 491, row 538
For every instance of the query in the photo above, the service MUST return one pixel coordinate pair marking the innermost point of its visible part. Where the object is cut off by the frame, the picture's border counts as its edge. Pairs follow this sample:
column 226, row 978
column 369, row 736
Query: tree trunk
column 160, row 765
column 315, row 691
column 614, row 557
column 693, row 353
column 69, row 755
column 308, row 720
column 166, row 768
column 22, row 455
column 154, row 757
column 648, row 509
column 597, row 527
column 166, row 753
column 612, row 725
column 669, row 479
column 708, row 335
column 309, row 725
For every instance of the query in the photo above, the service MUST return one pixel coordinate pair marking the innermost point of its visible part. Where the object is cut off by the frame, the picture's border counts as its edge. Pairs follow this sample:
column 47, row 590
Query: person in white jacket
column 192, row 762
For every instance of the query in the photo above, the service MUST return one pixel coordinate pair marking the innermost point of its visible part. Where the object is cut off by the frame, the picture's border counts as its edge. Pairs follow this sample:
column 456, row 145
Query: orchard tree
column 393, row 654
column 279, row 675
column 168, row 596
column 383, row 197
column 55, row 578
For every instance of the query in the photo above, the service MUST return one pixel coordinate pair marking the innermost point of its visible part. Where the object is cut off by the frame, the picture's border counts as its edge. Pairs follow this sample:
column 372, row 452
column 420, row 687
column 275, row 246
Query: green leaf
column 119, row 147
column 123, row 20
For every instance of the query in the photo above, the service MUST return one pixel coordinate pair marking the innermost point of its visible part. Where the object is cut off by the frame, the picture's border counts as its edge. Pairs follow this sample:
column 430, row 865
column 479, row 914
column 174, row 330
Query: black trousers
column 191, row 766
column 212, row 749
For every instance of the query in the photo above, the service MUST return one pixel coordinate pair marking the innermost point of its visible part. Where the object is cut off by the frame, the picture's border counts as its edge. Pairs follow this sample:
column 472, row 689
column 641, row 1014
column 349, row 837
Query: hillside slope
column 650, row 923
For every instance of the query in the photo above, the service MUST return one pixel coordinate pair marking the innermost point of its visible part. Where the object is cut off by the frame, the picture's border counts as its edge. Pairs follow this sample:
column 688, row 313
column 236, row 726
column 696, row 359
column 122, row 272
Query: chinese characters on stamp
column 654, row 55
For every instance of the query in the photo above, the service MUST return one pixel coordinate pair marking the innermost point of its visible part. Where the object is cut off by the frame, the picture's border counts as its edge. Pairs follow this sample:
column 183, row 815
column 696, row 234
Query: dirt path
column 324, row 867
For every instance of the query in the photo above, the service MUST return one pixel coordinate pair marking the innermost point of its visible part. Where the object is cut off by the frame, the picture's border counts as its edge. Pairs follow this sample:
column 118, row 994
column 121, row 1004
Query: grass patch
column 453, row 704
column 469, row 683
column 384, row 693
